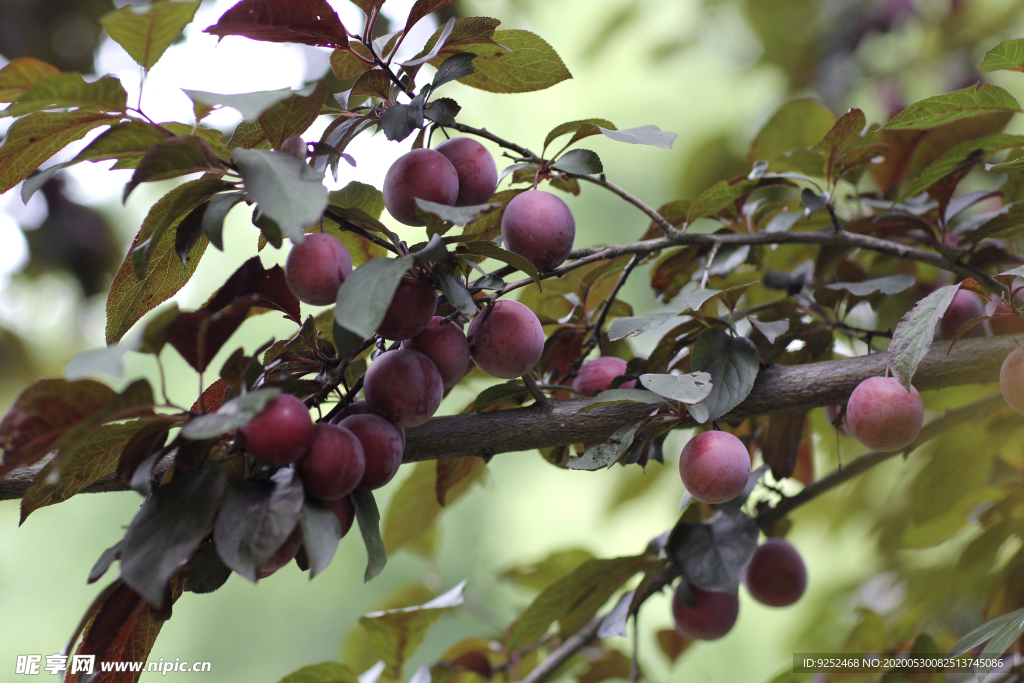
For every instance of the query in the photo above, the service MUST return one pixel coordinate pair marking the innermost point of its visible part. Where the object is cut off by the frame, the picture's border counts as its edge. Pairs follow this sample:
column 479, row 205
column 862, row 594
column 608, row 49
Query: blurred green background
column 710, row 71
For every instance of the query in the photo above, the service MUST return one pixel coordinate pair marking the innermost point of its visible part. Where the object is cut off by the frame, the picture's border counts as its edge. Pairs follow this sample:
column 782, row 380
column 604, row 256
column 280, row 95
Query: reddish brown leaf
column 422, row 8
column 143, row 443
column 781, row 442
column 310, row 22
column 199, row 335
column 269, row 287
column 43, row 414
column 672, row 644
column 212, row 398
column 123, row 630
column 454, row 471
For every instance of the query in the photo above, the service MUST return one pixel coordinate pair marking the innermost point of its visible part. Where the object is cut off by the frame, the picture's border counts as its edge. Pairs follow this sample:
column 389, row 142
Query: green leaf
column 93, row 460
column 369, row 526
column 733, row 365
column 602, row 455
column 457, row 294
column 960, row 104
column 539, row 575
column 131, row 298
column 491, row 250
column 169, row 527
column 984, row 633
column 575, row 598
column 346, row 65
column 357, row 195
column 1006, row 224
column 251, row 105
column 771, row 330
column 841, row 138
column 452, row 69
column 21, row 74
column 1006, row 56
column 166, row 214
column 459, row 215
column 1000, row 643
column 962, row 156
column 286, row 190
column 216, row 211
column 33, row 139
column 324, row 672
column 173, row 157
column 722, row 194
column 579, row 162
column 512, row 391
column 292, row 116
column 889, row 285
column 794, row 126
column 396, row 634
column 146, row 31
column 529, row 64
column 365, row 295
column 321, row 533
column 71, row 90
column 690, row 389
column 580, row 129
column 913, row 335
column 611, row 396
column 128, row 140
column 43, row 414
column 257, row 517
column 232, row 415
column 630, row 327
column 712, row 556
column 642, row 135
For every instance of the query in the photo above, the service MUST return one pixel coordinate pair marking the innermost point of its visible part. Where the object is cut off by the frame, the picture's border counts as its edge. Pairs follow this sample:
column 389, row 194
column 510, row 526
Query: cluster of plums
column 776, row 576
column 537, row 225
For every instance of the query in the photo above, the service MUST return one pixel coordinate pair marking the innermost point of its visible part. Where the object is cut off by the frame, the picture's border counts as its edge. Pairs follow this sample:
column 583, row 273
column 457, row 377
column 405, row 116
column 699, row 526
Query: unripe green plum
column 478, row 174
column 281, row 433
column 446, row 345
column 404, row 387
column 1011, row 379
column 884, row 416
column 776, row 575
column 712, row 617
column 966, row 305
column 420, row 174
column 382, row 445
column 539, row 226
column 334, row 464
column 597, row 375
column 410, row 310
column 715, row 467
column 509, row 341
column 344, row 510
column 283, row 555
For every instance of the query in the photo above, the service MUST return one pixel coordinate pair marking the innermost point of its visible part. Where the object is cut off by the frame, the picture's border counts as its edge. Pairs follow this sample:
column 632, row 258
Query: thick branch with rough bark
column 778, row 389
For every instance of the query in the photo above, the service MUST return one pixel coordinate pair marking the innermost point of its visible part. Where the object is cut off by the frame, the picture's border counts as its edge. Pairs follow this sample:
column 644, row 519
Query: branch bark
column 778, row 389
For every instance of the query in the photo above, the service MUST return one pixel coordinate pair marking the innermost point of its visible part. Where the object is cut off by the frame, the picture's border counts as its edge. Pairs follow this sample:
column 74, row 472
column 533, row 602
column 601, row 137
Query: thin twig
column 595, row 334
column 564, row 652
column 535, row 391
column 707, row 265
column 353, row 228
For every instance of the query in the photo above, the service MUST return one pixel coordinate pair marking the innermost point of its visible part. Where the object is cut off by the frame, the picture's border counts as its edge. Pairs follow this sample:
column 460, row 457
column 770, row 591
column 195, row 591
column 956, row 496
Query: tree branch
column 950, row 419
column 778, row 389
column 564, row 652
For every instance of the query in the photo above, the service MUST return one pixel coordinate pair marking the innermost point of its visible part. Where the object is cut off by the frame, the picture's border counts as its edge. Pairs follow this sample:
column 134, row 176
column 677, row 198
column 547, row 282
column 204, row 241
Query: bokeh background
column 712, row 71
